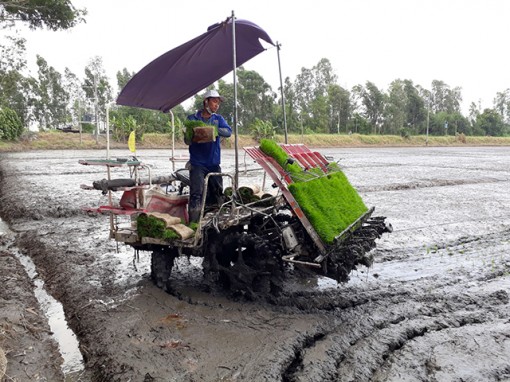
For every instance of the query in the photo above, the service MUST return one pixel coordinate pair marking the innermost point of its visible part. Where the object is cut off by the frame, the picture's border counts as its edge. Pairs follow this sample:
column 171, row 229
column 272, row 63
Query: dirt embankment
column 434, row 307
column 58, row 140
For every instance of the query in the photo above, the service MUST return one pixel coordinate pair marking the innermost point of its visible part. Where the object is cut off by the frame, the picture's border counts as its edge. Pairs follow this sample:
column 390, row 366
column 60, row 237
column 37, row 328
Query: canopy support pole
column 107, row 131
column 173, row 138
column 278, row 45
column 236, row 173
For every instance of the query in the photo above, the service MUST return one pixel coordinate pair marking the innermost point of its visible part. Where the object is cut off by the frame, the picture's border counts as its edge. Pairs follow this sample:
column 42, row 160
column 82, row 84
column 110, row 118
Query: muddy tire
column 162, row 262
column 250, row 265
column 355, row 251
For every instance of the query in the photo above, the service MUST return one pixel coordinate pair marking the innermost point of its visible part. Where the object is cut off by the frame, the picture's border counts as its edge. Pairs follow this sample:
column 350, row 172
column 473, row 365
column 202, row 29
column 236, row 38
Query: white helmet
column 213, row 94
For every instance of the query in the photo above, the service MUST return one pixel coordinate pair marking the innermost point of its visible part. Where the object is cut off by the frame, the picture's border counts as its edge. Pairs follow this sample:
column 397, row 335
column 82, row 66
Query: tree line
column 314, row 100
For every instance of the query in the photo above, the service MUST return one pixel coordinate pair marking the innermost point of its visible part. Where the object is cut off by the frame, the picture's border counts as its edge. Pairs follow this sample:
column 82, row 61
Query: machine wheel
column 250, row 265
column 162, row 261
column 355, row 251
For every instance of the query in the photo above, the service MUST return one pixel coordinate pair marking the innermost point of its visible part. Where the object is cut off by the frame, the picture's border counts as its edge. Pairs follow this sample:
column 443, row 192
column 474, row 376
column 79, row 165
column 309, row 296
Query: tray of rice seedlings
column 150, row 226
column 328, row 199
column 197, row 131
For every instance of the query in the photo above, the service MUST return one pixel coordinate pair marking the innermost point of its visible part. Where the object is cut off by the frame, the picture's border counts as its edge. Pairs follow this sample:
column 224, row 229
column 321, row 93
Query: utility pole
column 428, row 122
column 79, row 119
column 96, row 110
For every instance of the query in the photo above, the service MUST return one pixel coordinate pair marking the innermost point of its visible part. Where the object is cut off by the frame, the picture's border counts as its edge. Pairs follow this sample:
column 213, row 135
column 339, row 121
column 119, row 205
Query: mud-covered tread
column 356, row 250
column 256, row 269
column 162, row 262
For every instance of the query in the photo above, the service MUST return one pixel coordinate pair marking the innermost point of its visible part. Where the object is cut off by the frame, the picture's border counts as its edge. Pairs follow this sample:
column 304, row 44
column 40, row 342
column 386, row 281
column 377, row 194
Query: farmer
column 206, row 157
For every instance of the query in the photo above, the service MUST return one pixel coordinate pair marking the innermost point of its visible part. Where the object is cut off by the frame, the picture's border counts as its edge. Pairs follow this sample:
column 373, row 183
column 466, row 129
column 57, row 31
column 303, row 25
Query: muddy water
column 68, row 344
column 434, row 307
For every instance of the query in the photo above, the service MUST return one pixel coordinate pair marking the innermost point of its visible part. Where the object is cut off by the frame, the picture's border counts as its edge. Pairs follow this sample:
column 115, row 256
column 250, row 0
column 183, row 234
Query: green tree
column 227, row 107
column 458, row 124
column 323, row 115
column 292, row 114
column 444, row 98
column 372, row 104
column 51, row 14
column 359, row 124
column 395, row 110
column 491, row 123
column 51, row 100
column 320, row 116
column 405, row 112
column 416, row 107
column 11, row 127
column 304, row 93
column 255, row 98
column 323, row 76
column 97, row 88
column 502, row 104
column 311, row 95
column 340, row 108
column 76, row 105
column 474, row 112
column 123, row 78
column 14, row 87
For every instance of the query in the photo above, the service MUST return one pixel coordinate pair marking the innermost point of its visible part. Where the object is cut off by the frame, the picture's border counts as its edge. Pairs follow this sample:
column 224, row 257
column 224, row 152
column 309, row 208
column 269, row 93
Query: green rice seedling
column 329, row 201
column 150, row 226
column 272, row 149
column 189, row 125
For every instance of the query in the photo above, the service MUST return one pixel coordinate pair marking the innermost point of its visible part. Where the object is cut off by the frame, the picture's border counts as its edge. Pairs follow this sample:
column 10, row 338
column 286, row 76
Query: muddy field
column 434, row 306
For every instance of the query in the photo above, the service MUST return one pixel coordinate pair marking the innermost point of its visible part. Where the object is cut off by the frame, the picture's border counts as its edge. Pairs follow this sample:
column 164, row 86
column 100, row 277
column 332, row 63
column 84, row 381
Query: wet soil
column 433, row 307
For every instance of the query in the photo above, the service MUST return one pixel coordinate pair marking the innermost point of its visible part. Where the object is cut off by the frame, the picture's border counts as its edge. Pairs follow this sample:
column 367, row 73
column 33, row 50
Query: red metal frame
column 307, row 158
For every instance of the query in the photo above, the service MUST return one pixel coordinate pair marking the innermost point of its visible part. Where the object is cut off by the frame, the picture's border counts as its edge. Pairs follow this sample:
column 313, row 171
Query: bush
column 88, row 128
column 11, row 127
column 405, row 133
column 262, row 130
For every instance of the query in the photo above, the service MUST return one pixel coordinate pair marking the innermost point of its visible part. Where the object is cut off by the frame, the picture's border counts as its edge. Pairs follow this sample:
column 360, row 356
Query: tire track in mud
column 42, row 204
column 431, row 183
column 401, row 341
column 350, row 349
column 465, row 245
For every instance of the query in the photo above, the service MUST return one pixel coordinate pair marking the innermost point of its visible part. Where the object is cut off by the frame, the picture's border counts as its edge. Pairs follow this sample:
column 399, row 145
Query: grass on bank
column 57, row 140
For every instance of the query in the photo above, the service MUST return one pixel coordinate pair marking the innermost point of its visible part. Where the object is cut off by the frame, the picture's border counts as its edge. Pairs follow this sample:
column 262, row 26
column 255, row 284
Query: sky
column 463, row 43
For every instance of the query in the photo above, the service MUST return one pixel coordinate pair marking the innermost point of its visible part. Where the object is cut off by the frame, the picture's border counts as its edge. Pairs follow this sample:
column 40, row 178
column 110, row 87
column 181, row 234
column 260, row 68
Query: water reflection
column 65, row 337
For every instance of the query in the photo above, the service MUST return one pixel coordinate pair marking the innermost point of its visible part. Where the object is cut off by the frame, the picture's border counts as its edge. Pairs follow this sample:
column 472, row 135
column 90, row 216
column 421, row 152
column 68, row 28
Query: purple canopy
column 181, row 72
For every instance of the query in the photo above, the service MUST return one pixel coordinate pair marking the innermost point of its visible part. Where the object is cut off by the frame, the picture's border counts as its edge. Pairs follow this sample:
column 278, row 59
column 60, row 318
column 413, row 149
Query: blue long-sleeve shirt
column 208, row 154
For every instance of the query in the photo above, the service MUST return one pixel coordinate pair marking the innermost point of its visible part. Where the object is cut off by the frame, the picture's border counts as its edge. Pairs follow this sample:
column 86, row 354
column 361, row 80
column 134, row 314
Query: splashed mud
column 434, row 306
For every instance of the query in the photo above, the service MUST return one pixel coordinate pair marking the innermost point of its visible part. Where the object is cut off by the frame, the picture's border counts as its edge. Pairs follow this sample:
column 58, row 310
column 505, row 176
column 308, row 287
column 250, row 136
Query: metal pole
column 107, row 131
column 96, row 111
column 80, row 120
column 234, row 57
column 428, row 121
column 173, row 140
column 283, row 95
